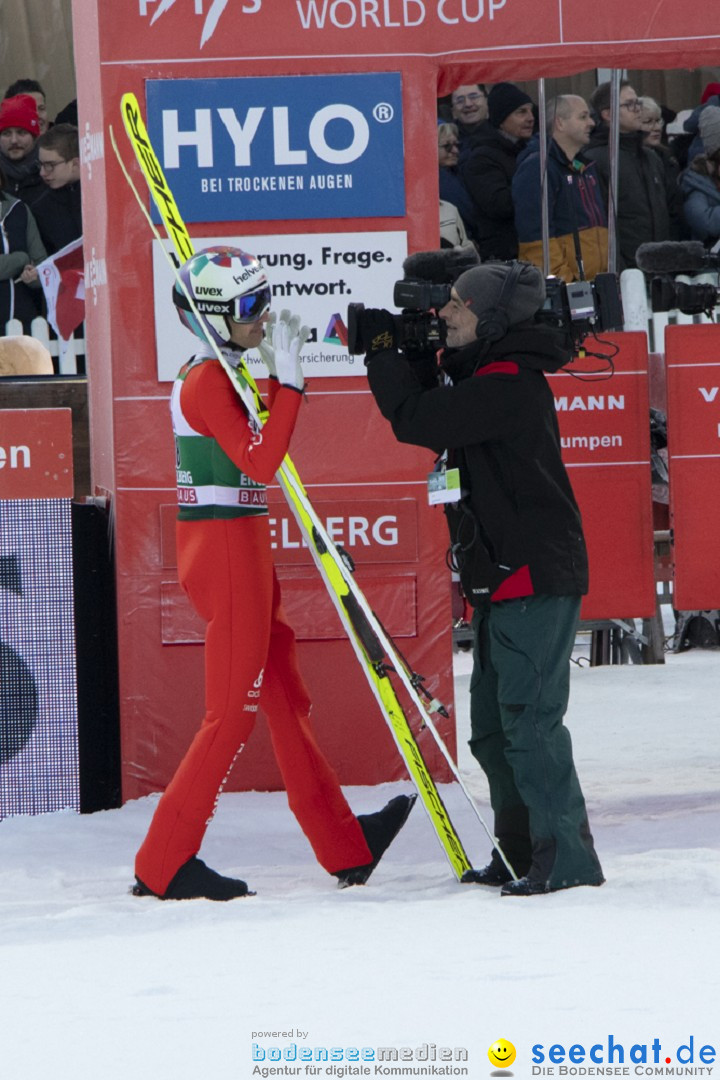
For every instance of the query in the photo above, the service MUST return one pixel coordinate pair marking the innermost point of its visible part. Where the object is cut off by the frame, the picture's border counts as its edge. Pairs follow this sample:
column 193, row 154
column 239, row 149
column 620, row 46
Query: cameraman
column 517, row 542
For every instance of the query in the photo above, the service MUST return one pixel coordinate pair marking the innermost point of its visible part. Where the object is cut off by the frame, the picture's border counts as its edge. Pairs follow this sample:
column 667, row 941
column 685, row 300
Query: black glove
column 378, row 331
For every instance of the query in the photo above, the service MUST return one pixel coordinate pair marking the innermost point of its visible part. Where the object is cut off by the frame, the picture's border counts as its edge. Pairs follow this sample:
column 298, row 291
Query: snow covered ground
column 97, row 985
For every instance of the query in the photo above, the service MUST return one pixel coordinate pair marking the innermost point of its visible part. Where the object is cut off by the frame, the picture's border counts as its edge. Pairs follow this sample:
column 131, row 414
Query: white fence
column 70, row 355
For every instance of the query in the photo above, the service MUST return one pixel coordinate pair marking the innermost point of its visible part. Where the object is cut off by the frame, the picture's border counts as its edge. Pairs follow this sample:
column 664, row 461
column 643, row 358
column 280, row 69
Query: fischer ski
column 375, row 650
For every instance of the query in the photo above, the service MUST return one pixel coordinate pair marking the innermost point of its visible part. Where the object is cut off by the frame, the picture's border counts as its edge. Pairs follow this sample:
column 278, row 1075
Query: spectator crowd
column 39, row 195
column 494, row 174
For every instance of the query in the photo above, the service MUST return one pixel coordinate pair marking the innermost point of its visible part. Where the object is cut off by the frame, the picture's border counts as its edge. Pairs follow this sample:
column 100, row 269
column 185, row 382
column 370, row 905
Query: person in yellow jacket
column 576, row 208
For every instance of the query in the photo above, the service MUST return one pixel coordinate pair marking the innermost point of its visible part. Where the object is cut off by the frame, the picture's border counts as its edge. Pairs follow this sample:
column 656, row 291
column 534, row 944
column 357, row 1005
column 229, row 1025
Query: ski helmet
column 222, row 281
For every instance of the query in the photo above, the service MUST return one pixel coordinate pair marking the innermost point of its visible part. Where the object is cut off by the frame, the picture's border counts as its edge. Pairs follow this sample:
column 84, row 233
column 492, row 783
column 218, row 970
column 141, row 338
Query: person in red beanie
column 36, row 92
column 712, row 89
column 19, row 131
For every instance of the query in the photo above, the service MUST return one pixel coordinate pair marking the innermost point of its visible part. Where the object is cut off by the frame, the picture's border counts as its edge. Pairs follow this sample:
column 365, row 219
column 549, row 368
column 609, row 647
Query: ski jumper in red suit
column 225, row 566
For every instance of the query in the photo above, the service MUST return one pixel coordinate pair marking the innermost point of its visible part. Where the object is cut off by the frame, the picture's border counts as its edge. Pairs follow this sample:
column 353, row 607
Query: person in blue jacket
column 576, row 208
column 700, row 183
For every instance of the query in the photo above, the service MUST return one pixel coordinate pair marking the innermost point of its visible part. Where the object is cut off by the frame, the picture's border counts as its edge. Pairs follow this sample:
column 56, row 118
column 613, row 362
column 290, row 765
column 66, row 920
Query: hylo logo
column 242, row 133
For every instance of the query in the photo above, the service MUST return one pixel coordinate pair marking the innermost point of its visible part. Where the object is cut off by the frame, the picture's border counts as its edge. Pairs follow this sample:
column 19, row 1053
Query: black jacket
column 518, row 518
column 59, row 217
column 20, row 244
column 487, row 164
column 644, row 198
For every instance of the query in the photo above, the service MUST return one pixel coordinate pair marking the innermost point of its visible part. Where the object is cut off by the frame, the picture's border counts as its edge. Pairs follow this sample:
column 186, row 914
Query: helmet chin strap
column 230, row 344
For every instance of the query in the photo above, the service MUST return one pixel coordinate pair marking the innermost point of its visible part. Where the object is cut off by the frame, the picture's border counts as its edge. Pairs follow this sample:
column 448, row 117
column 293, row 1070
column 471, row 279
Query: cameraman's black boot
column 512, row 832
column 495, row 873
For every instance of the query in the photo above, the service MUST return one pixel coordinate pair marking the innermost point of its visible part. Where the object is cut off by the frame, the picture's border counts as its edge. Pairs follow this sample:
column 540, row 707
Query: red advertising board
column 547, row 37
column 605, row 432
column 373, row 532
column 36, row 454
column 693, row 388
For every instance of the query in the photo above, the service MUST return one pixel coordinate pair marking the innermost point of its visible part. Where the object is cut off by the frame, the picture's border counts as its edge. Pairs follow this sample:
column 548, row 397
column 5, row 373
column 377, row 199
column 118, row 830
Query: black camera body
column 424, row 290
column 418, row 330
column 583, row 307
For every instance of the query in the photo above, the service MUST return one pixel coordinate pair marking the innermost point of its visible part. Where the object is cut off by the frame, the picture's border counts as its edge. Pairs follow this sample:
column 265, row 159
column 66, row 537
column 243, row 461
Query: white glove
column 287, row 339
column 267, row 353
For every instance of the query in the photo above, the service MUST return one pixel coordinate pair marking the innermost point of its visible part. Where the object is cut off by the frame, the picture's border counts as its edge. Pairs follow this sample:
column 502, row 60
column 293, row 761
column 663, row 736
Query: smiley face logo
column 501, row 1054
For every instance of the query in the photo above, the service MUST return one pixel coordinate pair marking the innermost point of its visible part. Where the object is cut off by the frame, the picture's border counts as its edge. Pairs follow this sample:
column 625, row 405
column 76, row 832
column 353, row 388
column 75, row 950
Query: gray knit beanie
column 482, row 285
column 710, row 129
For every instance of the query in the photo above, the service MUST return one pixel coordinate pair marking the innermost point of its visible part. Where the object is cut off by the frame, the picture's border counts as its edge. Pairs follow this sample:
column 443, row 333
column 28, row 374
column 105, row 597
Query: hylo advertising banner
column 269, row 149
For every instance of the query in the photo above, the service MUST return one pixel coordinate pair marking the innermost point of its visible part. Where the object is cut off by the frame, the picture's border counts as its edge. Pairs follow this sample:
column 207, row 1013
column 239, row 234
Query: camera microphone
column 676, row 257
column 441, row 267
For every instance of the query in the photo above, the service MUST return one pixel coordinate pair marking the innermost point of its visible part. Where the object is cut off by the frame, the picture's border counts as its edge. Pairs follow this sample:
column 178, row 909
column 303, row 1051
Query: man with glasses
column 57, row 211
column 643, row 212
column 469, row 106
column 19, row 130
column 225, row 566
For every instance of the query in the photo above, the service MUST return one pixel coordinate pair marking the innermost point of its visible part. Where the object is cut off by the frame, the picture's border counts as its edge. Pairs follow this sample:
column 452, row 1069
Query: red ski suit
column 227, row 571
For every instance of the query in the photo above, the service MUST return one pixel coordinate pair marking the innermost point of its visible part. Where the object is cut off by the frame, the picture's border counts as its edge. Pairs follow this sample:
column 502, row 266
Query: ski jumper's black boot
column 196, row 881
column 379, row 829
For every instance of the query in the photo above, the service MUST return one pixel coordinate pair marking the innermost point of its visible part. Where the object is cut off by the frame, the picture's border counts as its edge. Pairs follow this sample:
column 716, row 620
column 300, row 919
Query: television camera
column 680, row 257
column 581, row 308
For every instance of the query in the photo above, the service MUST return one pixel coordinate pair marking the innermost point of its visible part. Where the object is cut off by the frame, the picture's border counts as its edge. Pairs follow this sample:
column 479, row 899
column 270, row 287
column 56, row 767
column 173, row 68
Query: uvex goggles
column 241, row 309
column 251, row 307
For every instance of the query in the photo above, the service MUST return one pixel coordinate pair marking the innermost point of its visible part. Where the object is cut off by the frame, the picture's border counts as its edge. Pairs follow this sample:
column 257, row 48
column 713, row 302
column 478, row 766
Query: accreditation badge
column 444, row 486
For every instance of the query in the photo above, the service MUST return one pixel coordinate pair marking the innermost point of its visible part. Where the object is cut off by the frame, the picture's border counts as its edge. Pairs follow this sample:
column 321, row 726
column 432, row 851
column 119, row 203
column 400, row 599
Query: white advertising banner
column 314, row 274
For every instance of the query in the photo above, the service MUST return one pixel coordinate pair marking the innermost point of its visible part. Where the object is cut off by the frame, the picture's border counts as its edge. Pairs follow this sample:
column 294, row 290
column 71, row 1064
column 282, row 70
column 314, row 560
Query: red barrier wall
column 344, row 451
column 693, row 389
column 605, row 431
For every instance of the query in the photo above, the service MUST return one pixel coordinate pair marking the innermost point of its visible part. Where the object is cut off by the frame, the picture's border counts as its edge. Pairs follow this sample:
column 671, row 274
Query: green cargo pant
column 518, row 696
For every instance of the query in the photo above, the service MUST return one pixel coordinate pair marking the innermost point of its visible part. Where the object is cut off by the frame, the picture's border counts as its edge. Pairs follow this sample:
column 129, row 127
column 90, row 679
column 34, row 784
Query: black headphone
column 494, row 324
